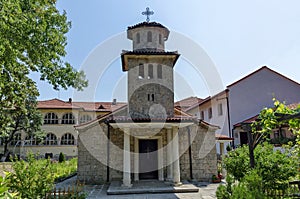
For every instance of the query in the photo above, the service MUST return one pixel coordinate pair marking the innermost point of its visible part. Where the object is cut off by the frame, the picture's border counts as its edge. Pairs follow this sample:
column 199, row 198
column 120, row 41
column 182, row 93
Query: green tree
column 280, row 114
column 31, row 179
column 273, row 171
column 28, row 122
column 32, row 40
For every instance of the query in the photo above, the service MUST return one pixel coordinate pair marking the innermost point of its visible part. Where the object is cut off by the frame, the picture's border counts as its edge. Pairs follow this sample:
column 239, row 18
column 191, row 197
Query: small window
column 150, row 71
column 50, row 118
column 160, row 39
column 67, row 139
column 159, row 71
column 138, row 38
column 151, row 97
column 202, row 115
column 51, row 139
column 210, row 113
column 220, row 109
column 149, row 36
column 85, row 118
column 68, row 118
column 141, row 71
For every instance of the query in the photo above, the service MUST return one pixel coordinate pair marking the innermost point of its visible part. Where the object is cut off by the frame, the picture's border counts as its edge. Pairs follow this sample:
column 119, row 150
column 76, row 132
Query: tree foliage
column 28, row 120
column 31, row 179
column 273, row 171
column 280, row 114
column 32, row 40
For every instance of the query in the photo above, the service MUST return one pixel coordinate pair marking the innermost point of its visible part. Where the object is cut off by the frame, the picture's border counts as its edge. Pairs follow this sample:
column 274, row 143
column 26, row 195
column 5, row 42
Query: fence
column 293, row 191
column 74, row 192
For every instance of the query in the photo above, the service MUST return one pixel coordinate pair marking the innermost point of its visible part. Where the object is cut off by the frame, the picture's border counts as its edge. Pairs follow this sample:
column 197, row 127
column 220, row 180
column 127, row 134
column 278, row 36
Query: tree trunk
column 251, row 148
column 5, row 147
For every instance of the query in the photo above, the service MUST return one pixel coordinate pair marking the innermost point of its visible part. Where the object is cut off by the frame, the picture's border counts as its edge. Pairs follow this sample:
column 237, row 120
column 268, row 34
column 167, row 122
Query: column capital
column 127, row 130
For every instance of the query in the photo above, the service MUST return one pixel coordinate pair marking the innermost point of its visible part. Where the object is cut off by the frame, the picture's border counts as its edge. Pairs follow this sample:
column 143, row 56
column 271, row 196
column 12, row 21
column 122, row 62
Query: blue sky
column 238, row 36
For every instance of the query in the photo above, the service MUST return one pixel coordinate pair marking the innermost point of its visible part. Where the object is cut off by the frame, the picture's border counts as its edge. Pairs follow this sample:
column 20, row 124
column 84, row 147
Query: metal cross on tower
column 148, row 13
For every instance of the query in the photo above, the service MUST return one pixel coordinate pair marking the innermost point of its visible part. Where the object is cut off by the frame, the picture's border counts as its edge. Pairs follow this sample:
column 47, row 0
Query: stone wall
column 139, row 88
column 203, row 149
column 204, row 153
column 143, row 43
column 159, row 107
column 92, row 155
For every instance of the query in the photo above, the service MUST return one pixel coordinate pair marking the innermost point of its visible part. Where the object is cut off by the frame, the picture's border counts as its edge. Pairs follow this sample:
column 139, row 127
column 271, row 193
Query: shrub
column 275, row 167
column 272, row 171
column 61, row 157
column 4, row 189
column 31, row 179
column 237, row 162
column 248, row 188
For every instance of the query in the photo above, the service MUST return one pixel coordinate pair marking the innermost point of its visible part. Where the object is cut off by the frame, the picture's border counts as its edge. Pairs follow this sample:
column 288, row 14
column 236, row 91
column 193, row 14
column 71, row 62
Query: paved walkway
column 206, row 191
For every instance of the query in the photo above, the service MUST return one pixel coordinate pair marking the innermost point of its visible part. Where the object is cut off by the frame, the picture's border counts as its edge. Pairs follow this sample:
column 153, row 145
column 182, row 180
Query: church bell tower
column 150, row 71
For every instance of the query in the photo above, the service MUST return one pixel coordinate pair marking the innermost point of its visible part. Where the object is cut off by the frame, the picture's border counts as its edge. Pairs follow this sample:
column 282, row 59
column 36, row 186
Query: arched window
column 160, row 39
column 141, row 71
column 16, row 141
column 149, row 36
column 159, row 71
column 51, row 139
column 84, row 119
column 68, row 118
column 50, row 118
column 138, row 38
column 67, row 139
column 30, row 140
column 150, row 71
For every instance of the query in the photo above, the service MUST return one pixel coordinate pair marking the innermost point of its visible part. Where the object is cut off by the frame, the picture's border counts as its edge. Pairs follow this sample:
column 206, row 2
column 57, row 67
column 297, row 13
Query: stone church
column 149, row 138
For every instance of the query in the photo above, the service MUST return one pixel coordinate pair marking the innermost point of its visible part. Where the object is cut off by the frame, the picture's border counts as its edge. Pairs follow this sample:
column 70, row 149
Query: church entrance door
column 148, row 163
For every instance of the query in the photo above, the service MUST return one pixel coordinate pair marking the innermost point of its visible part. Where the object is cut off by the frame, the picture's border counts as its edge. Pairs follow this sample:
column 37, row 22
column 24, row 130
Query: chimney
column 114, row 102
column 70, row 100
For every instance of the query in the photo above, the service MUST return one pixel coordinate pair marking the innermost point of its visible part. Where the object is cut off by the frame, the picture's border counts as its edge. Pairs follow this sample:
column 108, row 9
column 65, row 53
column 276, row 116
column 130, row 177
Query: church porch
column 151, row 152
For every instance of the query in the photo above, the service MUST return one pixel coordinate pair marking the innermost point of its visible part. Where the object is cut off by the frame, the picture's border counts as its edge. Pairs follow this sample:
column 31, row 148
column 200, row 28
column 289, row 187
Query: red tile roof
column 187, row 103
column 168, row 120
column 87, row 106
column 294, row 105
column 247, row 121
column 100, row 106
column 179, row 116
column 223, row 137
column 56, row 104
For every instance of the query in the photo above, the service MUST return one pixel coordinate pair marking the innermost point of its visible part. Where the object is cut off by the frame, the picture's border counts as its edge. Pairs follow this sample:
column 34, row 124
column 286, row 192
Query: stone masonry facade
column 92, row 153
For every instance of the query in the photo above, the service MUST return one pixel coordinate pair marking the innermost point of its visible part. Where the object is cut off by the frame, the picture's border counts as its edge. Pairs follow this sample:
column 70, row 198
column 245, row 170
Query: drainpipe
column 190, row 153
column 228, row 116
column 108, row 156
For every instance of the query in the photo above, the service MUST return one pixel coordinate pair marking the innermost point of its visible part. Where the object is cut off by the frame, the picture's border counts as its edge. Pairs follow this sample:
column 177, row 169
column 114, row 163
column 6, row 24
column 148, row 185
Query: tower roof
column 146, row 54
column 143, row 25
column 146, row 24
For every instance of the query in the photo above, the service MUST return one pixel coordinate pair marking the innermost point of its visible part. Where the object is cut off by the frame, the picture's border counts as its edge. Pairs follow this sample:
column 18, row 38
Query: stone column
column 126, row 159
column 221, row 149
column 160, row 160
column 176, row 166
column 136, row 159
column 169, row 155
